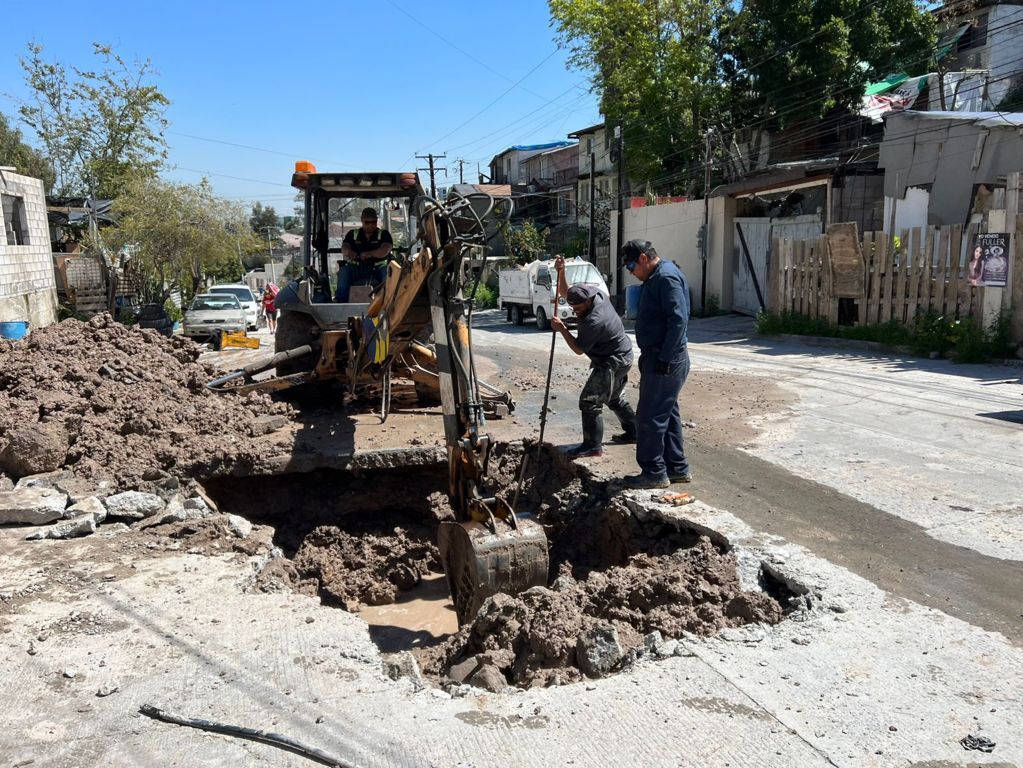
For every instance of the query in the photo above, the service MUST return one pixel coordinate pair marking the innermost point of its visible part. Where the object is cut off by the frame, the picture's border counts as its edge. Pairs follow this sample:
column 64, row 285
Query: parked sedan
column 211, row 314
column 244, row 295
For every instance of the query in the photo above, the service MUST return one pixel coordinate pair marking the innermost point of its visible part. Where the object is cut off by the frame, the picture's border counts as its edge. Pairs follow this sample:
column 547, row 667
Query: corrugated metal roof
column 984, row 119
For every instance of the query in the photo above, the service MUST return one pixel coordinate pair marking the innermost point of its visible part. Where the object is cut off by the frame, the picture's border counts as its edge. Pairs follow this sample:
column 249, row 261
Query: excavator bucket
column 481, row 561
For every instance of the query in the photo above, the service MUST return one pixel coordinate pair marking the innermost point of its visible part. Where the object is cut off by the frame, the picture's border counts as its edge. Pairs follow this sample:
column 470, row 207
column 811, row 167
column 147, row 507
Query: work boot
column 682, row 477
column 624, row 438
column 593, row 429
column 643, row 480
column 584, row 451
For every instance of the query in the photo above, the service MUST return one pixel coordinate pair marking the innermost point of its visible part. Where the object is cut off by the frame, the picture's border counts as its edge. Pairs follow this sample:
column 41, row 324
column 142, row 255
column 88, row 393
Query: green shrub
column 127, row 316
column 173, row 311
column 484, row 297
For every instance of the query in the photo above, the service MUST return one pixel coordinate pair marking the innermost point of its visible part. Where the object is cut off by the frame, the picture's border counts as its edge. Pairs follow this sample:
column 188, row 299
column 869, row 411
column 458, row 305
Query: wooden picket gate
column 925, row 271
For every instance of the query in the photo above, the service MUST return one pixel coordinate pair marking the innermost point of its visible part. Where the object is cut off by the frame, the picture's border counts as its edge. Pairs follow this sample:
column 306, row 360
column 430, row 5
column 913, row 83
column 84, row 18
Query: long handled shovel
column 546, row 400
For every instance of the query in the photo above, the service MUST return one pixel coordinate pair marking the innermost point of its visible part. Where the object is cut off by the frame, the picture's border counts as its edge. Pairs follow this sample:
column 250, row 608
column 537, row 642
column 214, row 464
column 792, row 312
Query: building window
column 15, row 221
column 975, row 35
column 562, row 205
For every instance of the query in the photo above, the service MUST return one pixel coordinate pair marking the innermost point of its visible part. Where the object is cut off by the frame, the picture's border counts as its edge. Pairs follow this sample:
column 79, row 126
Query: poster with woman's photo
column 989, row 264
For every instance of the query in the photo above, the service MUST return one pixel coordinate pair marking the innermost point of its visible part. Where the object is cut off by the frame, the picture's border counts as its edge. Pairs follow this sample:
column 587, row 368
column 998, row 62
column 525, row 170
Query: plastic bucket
column 15, row 330
column 632, row 294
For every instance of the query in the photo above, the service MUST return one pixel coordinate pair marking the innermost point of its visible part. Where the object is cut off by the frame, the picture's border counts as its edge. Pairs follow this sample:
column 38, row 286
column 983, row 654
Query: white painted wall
column 673, row 230
column 910, row 212
column 28, row 289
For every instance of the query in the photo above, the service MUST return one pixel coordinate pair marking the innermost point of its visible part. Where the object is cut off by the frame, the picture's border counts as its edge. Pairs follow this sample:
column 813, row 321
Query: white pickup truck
column 529, row 290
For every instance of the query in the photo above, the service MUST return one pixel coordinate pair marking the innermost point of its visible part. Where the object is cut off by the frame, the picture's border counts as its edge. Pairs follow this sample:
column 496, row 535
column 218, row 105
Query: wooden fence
column 924, row 271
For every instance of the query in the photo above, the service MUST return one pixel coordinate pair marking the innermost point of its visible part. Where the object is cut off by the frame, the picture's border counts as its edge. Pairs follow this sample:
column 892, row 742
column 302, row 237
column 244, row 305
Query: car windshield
column 581, row 273
column 207, row 303
column 243, row 294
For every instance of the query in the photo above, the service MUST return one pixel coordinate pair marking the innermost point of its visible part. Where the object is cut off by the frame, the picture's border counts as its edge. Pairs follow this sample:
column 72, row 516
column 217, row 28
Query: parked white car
column 211, row 314
column 529, row 290
column 245, row 296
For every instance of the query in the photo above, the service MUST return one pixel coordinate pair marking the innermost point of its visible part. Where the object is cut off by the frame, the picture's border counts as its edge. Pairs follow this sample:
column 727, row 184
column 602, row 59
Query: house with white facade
column 28, row 289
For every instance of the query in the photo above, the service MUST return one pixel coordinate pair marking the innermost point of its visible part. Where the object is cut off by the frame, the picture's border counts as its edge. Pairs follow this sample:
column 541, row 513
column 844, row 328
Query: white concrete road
column 929, row 441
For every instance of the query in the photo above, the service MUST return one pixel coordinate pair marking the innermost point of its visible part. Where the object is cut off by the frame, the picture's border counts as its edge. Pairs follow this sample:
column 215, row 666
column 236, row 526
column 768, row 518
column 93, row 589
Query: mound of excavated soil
column 367, row 568
column 107, row 401
column 588, row 628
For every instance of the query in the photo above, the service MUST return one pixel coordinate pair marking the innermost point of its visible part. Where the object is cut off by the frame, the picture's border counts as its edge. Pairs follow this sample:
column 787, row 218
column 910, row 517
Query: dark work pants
column 352, row 273
column 605, row 386
column 659, row 447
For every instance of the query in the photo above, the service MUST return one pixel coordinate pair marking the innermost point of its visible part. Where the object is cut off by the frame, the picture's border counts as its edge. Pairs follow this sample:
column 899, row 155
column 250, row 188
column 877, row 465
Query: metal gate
column 758, row 233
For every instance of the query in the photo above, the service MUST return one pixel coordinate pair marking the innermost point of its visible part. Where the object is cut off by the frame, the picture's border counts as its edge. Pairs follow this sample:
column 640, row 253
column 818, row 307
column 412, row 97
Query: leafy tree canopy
column 14, row 151
column 101, row 127
column 793, row 60
column 526, row 243
column 178, row 237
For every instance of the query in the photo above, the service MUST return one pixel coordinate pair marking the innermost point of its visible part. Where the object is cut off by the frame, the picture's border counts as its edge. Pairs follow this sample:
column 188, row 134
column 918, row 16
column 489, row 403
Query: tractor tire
column 542, row 323
column 294, row 329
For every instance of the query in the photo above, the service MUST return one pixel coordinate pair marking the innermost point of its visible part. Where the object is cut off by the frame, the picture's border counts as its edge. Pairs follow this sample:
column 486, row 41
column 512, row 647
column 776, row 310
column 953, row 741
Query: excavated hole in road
column 365, row 543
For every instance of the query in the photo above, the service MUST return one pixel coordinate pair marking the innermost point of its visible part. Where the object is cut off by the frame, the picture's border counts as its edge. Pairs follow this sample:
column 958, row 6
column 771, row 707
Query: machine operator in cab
column 366, row 250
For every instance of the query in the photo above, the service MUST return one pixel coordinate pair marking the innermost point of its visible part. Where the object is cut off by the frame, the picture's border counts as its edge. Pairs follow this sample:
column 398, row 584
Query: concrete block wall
column 28, row 288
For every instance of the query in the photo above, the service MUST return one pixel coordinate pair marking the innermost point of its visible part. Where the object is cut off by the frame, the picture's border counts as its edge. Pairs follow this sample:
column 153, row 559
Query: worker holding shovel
column 602, row 338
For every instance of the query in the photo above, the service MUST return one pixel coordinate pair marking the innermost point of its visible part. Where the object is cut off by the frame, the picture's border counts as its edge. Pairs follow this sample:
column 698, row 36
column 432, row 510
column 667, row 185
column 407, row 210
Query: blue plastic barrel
column 632, row 301
column 14, row 331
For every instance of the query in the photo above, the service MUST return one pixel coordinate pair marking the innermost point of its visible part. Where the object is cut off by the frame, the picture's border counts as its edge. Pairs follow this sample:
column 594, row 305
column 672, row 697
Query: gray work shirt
column 602, row 336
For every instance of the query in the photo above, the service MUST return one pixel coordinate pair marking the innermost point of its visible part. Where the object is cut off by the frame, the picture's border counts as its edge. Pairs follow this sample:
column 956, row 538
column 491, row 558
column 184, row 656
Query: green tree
column 262, row 217
column 526, row 243
column 14, row 151
column 654, row 65
column 177, row 237
column 794, row 60
column 100, row 128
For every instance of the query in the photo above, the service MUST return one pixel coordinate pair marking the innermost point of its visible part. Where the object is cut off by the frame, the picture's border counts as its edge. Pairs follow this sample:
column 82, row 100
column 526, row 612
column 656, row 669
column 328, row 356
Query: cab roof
column 364, row 184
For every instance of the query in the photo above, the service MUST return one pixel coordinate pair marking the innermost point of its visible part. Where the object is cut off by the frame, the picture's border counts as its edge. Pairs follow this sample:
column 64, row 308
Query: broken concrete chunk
column 107, row 689
column 90, row 505
column 6, row 484
column 598, row 650
column 34, row 449
column 651, row 640
column 134, row 505
column 239, row 526
column 199, row 504
column 463, row 670
column 404, row 664
column 32, row 506
column 83, row 525
column 44, row 480
column 489, row 678
column 264, row 425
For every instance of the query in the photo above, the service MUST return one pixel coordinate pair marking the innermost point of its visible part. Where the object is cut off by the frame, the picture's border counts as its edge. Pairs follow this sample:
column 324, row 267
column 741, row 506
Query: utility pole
column 270, row 244
column 433, row 173
column 461, row 175
column 620, row 160
column 593, row 198
column 706, row 225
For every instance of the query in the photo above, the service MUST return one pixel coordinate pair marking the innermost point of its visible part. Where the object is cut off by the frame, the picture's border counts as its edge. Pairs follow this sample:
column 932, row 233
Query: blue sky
column 344, row 84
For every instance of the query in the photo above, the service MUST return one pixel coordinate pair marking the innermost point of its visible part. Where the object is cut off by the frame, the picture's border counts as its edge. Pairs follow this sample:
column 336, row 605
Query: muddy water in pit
column 366, row 544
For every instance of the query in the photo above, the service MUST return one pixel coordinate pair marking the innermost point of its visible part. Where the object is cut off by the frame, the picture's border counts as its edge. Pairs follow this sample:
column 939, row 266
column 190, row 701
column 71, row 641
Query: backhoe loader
column 426, row 292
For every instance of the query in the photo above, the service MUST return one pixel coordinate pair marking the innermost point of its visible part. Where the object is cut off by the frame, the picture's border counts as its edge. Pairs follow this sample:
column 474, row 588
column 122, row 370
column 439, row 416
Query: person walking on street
column 661, row 325
column 602, row 338
column 270, row 309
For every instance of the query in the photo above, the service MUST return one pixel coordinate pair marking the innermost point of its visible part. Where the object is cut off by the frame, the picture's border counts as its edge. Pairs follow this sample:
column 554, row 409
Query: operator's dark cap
column 369, row 213
column 631, row 250
column 581, row 293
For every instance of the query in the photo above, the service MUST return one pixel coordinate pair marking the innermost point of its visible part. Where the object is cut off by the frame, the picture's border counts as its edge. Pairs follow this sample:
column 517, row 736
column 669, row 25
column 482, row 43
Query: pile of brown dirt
column 108, row 401
column 618, row 580
column 364, row 568
column 588, row 628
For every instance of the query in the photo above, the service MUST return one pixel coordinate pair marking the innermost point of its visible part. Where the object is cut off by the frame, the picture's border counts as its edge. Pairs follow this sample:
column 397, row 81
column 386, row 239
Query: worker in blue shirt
column 661, row 325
